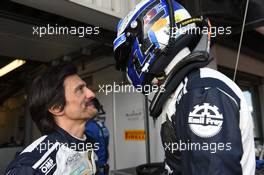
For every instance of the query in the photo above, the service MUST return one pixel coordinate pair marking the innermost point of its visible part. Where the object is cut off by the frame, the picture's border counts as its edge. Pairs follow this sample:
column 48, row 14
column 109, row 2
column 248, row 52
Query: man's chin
column 92, row 112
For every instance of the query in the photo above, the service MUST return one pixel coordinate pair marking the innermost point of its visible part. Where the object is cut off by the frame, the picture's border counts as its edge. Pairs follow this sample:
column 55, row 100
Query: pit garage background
column 126, row 112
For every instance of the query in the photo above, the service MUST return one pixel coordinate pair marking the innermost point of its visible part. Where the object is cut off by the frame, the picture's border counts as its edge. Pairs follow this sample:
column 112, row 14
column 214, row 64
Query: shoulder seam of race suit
column 208, row 78
column 33, row 145
column 211, row 73
column 232, row 98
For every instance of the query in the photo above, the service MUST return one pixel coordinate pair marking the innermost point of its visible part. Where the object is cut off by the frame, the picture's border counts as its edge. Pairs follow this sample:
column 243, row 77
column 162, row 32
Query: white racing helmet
column 157, row 39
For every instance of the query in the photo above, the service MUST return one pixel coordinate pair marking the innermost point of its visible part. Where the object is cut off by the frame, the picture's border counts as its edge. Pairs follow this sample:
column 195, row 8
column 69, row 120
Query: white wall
column 124, row 112
column 129, row 116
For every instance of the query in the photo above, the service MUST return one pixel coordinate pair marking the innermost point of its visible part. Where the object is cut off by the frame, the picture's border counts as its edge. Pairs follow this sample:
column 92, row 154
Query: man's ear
column 56, row 110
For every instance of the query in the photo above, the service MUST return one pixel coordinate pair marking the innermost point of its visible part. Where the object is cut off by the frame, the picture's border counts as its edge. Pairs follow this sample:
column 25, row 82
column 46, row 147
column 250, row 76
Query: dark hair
column 46, row 91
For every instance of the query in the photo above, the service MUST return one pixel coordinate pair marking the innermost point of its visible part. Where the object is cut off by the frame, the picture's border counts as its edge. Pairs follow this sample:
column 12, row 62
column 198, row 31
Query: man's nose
column 89, row 94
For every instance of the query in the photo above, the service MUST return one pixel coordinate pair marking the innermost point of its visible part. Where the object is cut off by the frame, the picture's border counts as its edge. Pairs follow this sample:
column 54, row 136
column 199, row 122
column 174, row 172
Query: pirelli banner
column 134, row 135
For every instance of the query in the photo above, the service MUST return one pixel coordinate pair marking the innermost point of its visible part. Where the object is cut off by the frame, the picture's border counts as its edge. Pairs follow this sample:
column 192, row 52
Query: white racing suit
column 58, row 153
column 207, row 128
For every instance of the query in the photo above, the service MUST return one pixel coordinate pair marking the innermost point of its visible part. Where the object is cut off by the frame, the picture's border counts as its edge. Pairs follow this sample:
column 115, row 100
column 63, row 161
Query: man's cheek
column 84, row 106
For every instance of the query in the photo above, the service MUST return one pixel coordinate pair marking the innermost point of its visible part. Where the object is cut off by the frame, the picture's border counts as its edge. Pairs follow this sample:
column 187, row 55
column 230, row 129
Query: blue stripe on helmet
column 119, row 40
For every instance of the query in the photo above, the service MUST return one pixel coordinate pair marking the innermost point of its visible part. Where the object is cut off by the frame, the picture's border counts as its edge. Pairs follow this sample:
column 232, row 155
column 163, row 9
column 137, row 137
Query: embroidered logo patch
column 47, row 166
column 72, row 159
column 205, row 120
